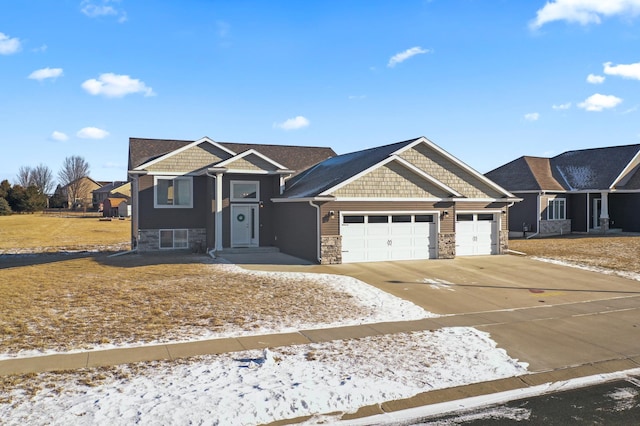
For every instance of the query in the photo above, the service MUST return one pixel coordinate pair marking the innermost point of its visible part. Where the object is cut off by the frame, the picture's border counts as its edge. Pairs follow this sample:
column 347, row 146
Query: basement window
column 174, row 238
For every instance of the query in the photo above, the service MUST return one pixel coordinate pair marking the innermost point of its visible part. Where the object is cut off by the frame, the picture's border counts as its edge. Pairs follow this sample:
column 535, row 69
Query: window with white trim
column 174, row 238
column 173, row 192
column 245, row 190
column 557, row 209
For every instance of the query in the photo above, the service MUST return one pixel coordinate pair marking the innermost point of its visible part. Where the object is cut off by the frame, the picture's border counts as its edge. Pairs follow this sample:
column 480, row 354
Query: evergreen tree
column 5, row 208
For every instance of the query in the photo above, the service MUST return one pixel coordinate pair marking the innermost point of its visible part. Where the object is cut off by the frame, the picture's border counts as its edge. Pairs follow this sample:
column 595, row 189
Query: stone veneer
column 149, row 240
column 446, row 246
column 552, row 227
column 504, row 242
column 331, row 250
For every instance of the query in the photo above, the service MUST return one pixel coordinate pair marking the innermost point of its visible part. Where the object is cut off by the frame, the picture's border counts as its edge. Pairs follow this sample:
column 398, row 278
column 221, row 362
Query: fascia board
column 184, row 148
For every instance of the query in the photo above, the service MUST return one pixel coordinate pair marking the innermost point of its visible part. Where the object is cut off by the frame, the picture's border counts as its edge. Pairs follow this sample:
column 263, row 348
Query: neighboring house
column 117, row 189
column 84, row 192
column 115, row 207
column 578, row 191
column 408, row 200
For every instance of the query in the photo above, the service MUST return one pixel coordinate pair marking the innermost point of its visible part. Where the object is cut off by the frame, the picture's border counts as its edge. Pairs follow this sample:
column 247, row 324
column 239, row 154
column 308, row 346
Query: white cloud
column 532, row 116
column 94, row 9
column 293, row 123
column 631, row 71
column 45, row 73
column 562, row 106
column 116, row 86
column 9, row 45
column 583, row 12
column 595, row 79
column 357, row 97
column 40, row 49
column 59, row 136
column 403, row 56
column 599, row 102
column 92, row 133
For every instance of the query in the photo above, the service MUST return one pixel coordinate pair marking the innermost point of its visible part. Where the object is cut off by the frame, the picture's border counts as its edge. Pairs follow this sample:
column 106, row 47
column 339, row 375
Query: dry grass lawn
column 55, row 302
column 50, row 233
column 621, row 253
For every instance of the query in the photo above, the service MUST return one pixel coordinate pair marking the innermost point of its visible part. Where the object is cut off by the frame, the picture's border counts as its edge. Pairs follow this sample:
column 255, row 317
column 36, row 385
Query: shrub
column 5, row 209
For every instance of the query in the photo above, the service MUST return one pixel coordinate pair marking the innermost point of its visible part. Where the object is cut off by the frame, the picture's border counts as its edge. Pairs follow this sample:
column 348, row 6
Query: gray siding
column 577, row 212
column 296, row 230
column 524, row 212
column 152, row 218
column 624, row 211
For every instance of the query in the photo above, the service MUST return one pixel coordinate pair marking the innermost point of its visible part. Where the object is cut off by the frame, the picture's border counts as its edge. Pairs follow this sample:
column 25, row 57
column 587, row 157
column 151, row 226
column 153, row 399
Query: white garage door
column 378, row 237
column 476, row 234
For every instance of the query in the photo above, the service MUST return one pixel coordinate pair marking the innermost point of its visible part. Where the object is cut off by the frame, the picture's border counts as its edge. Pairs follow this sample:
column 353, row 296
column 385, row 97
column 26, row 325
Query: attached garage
column 476, row 234
column 372, row 237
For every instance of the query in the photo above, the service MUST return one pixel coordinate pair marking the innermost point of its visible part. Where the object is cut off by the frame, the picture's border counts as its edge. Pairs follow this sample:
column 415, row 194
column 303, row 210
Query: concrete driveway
column 548, row 315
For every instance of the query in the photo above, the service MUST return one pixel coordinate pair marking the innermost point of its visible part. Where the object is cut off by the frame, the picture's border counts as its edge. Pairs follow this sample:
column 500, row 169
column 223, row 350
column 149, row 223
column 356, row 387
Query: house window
column 245, row 190
column 173, row 192
column 174, row 238
column 557, row 209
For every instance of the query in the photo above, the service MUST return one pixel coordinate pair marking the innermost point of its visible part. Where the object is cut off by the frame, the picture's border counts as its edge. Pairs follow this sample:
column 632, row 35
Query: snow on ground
column 254, row 387
column 623, row 274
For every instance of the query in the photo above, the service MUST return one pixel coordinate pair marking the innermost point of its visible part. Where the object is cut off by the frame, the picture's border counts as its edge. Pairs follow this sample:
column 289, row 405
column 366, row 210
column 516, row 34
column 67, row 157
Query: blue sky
column 487, row 80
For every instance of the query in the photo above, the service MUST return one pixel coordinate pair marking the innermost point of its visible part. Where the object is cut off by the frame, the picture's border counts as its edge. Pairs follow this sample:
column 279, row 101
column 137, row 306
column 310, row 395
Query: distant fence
column 70, row 213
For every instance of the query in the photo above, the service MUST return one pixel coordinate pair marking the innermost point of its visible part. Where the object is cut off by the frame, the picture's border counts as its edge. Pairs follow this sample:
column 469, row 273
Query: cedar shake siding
column 391, row 181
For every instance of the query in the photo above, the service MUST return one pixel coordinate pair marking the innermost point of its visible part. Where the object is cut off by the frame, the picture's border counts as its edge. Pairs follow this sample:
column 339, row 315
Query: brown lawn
column 620, row 252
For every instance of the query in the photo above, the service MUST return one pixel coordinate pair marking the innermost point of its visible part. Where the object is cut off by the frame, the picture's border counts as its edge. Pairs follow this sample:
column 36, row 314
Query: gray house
column 578, row 191
column 408, row 200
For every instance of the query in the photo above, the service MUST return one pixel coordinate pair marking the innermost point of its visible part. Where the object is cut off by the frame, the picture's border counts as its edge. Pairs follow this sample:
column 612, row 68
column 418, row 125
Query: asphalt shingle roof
column 331, row 172
column 585, row 169
column 295, row 158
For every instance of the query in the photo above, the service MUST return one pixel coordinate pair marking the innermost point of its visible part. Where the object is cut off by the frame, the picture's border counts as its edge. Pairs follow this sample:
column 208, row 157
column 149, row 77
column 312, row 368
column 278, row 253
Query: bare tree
column 42, row 177
column 71, row 175
column 24, row 176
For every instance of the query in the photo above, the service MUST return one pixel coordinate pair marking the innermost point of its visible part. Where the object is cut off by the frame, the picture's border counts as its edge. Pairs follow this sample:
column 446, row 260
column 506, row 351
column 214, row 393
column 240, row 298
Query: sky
column 486, row 80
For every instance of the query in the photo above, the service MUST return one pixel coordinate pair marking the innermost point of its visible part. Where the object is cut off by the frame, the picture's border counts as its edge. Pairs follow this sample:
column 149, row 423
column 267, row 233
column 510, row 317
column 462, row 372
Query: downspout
column 317, row 207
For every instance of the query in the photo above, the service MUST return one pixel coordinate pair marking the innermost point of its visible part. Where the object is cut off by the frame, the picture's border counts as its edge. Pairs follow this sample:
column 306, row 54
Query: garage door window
column 465, row 218
column 353, row 219
column 424, row 218
column 378, row 219
column 485, row 216
column 405, row 218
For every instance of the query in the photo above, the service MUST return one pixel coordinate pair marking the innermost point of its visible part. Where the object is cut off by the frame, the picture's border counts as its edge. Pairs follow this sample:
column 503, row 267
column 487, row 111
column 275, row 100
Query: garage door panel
column 391, row 237
column 476, row 234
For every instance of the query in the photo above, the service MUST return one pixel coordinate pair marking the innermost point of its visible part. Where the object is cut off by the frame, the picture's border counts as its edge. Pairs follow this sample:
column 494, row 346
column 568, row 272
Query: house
column 407, row 200
column 116, row 189
column 115, row 207
column 78, row 193
column 578, row 191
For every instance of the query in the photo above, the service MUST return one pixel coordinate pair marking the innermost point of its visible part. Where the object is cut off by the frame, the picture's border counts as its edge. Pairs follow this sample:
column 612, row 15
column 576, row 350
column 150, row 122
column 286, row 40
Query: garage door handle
column 389, row 242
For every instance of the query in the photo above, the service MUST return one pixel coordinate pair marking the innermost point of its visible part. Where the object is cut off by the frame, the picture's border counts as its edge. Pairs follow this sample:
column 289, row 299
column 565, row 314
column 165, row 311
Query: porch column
column 218, row 212
column 604, row 212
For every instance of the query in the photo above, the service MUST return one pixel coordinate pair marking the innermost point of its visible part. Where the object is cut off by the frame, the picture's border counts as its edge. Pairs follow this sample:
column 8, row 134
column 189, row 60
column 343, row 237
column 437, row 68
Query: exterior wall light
column 332, row 214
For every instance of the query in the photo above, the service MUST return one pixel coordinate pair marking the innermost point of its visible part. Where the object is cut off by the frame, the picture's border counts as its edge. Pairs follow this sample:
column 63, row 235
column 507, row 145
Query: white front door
column 244, row 225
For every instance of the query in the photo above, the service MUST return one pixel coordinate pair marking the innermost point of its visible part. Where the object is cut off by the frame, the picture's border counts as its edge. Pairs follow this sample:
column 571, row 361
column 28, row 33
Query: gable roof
column 333, row 171
column 109, row 186
column 336, row 172
column 585, row 169
column 293, row 157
